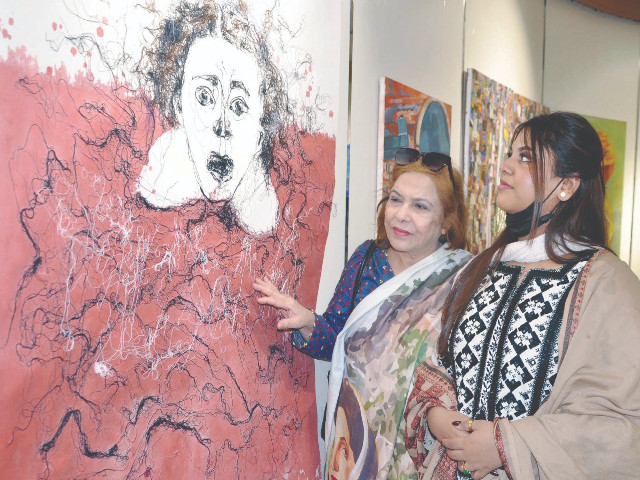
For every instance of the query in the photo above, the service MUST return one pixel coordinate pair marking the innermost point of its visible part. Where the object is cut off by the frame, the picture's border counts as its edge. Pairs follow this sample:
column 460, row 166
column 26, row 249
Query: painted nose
column 222, row 128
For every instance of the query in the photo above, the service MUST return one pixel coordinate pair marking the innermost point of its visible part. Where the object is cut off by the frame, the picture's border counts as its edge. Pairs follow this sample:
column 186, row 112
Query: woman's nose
column 403, row 212
column 506, row 168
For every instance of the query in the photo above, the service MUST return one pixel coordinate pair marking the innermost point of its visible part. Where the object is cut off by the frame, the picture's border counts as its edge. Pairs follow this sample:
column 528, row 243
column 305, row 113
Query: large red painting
column 137, row 208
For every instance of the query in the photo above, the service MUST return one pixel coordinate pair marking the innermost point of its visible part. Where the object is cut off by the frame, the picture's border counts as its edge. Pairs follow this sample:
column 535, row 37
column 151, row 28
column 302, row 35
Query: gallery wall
column 417, row 43
column 557, row 52
column 591, row 67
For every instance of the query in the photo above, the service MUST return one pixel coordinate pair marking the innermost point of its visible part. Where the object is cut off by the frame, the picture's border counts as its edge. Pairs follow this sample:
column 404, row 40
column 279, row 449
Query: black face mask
column 519, row 223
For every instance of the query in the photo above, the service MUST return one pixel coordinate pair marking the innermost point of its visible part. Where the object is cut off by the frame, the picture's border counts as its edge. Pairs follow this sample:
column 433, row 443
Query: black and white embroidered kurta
column 505, row 347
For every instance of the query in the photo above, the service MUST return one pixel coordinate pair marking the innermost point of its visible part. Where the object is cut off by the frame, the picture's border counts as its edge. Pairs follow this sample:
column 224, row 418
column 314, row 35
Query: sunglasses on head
column 434, row 161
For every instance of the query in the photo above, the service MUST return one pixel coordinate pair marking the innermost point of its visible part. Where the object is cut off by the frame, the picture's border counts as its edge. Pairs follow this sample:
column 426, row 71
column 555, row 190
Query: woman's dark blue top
column 328, row 325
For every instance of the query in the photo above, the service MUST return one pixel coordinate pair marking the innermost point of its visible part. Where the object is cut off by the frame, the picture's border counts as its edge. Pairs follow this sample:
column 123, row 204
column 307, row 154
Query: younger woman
column 540, row 333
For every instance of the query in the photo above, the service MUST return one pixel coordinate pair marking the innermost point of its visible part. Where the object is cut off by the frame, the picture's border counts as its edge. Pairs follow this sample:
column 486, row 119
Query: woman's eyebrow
column 416, row 199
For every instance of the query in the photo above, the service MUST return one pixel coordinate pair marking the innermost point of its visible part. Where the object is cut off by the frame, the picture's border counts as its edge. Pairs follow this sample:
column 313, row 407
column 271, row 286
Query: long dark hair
column 569, row 144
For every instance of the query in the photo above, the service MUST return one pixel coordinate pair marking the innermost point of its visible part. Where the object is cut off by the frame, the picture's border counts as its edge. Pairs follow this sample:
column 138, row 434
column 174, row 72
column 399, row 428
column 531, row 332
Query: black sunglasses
column 434, row 161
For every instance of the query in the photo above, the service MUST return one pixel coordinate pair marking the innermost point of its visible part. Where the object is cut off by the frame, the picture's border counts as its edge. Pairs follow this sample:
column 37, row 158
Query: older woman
column 541, row 331
column 421, row 228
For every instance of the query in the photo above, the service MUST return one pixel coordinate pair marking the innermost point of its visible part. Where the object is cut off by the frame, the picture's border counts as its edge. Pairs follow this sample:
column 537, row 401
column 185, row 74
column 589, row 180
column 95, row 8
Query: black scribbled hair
column 164, row 60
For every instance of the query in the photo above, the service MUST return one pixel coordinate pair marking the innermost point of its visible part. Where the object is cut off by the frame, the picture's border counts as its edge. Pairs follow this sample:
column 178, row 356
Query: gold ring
column 469, row 426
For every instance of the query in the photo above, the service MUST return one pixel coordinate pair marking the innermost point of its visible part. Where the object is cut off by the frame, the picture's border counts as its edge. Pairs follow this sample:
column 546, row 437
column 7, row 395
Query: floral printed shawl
column 372, row 367
column 589, row 426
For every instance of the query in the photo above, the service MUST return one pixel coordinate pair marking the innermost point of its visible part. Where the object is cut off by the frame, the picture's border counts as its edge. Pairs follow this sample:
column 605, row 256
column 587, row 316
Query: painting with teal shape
column 411, row 119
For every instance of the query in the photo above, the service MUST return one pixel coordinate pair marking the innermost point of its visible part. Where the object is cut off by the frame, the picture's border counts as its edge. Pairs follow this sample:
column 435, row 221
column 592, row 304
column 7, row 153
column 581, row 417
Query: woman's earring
column 563, row 194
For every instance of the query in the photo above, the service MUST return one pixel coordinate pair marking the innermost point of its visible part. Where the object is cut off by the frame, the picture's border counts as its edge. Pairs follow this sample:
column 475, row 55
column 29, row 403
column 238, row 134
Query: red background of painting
column 252, row 374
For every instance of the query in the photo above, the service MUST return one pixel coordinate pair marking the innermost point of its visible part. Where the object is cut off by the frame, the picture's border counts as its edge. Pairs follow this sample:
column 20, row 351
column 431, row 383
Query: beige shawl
column 589, row 426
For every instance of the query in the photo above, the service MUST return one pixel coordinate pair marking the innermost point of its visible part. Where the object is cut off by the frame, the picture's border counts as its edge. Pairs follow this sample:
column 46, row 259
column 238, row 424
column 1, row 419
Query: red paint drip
column 11, row 21
column 54, row 25
column 5, row 34
column 330, row 113
column 49, row 71
column 100, row 32
column 74, row 51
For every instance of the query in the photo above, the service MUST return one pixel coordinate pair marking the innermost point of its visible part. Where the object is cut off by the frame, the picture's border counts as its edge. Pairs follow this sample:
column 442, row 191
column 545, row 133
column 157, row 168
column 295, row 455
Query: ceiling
column 621, row 8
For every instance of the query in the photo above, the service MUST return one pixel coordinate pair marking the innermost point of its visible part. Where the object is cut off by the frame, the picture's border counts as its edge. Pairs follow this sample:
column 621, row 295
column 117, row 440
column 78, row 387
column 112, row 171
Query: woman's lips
column 504, row 185
column 399, row 232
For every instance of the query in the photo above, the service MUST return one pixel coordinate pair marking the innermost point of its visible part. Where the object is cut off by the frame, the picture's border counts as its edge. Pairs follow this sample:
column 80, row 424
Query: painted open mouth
column 220, row 166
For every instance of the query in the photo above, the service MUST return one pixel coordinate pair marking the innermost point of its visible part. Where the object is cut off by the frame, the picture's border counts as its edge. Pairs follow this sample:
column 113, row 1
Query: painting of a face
column 342, row 458
column 220, row 110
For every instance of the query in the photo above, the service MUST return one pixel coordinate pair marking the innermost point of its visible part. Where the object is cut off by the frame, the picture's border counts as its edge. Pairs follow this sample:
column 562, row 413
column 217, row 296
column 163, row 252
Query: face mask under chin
column 519, row 223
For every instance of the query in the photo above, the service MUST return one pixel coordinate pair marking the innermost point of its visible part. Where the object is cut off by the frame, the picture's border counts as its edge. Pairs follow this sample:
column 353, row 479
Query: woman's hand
column 296, row 317
column 442, row 422
column 476, row 450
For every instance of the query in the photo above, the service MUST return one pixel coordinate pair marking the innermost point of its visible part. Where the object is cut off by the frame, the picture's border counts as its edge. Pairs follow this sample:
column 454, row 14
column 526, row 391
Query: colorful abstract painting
column 409, row 118
column 612, row 134
column 492, row 112
column 157, row 157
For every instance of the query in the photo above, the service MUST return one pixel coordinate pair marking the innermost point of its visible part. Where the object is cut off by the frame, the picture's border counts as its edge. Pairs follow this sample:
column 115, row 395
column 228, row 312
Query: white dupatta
column 433, row 270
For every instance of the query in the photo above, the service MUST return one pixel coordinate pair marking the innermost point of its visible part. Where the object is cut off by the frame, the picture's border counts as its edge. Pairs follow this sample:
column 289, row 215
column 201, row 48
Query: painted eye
column 204, row 96
column 524, row 159
column 238, row 106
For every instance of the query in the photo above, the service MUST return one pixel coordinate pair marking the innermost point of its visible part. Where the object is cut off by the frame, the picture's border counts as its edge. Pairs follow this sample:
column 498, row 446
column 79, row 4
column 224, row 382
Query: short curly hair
column 163, row 61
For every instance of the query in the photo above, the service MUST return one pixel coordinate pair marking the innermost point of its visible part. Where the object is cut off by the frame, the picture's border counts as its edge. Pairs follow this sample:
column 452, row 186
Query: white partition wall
column 591, row 67
column 504, row 39
column 416, row 42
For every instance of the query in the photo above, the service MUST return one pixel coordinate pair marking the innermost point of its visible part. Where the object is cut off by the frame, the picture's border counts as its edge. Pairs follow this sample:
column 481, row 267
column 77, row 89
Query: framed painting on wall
column 612, row 134
column 492, row 111
column 412, row 119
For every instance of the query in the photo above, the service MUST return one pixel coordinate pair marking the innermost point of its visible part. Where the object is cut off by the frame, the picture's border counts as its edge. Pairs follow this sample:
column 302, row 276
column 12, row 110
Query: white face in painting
column 413, row 218
column 220, row 112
